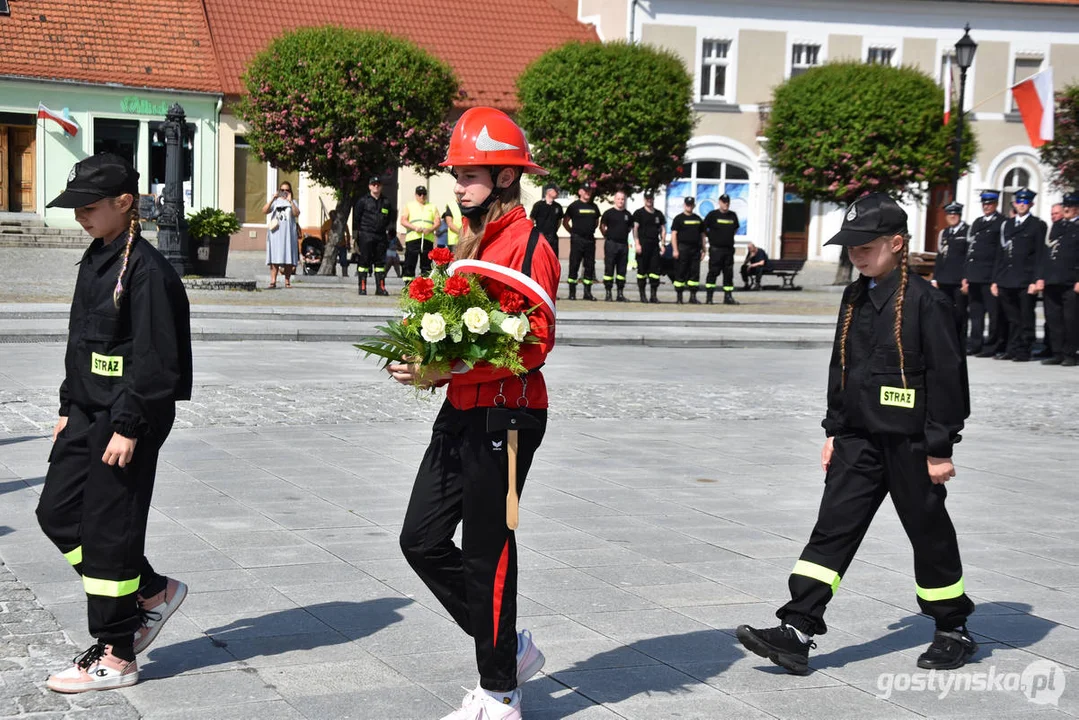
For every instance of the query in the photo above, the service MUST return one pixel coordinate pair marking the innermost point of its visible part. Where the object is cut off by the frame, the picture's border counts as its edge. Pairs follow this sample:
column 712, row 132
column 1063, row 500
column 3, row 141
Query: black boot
column 655, row 298
column 728, row 298
column 608, row 298
column 362, row 284
column 380, row 281
column 679, row 292
column 572, row 289
column 1069, row 362
column 709, row 294
column 780, row 645
column 588, row 293
column 950, row 650
column 640, row 286
column 1055, row 360
column 621, row 296
column 693, row 297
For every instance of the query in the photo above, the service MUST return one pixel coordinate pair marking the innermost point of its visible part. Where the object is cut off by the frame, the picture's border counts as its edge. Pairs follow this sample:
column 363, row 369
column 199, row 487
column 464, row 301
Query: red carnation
column 421, row 289
column 511, row 301
column 441, row 256
column 537, row 326
column 457, row 286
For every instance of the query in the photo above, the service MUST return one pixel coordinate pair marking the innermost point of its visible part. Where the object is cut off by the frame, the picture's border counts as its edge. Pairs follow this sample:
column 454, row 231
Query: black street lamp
column 964, row 57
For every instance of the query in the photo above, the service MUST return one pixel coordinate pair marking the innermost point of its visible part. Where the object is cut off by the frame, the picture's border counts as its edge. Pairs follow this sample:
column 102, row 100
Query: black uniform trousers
column 615, row 259
column 1062, row 317
column 863, row 470
column 582, row 256
column 372, row 253
column 96, row 516
column 463, row 479
column 981, row 303
column 649, row 264
column 1018, row 307
column 416, row 252
column 960, row 303
column 720, row 260
column 687, row 268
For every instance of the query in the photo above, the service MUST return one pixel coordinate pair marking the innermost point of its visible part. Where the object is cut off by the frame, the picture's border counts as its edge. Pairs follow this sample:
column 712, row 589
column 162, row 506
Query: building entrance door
column 794, row 233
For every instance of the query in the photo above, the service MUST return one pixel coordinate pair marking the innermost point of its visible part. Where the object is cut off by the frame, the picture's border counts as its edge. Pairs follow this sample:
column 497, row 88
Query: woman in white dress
column 282, row 251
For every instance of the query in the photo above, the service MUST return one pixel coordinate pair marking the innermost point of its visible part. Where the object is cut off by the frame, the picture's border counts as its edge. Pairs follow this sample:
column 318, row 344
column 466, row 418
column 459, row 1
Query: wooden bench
column 785, row 270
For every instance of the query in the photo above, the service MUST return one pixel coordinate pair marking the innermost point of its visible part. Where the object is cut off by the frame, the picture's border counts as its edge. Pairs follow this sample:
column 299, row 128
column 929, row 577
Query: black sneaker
column 780, row 645
column 950, row 650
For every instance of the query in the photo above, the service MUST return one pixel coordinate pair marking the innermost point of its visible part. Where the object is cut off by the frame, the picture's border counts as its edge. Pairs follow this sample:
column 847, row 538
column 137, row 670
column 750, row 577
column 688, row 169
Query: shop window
column 120, row 137
column 249, row 190
column 158, row 153
column 706, row 180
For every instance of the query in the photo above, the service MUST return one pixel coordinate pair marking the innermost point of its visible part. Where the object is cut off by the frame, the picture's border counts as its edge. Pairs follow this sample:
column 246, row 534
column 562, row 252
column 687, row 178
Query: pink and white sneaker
column 95, row 669
column 478, row 705
column 155, row 610
column 529, row 658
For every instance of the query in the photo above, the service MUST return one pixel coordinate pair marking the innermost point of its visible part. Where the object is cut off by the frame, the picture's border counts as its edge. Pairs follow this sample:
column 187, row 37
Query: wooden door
column 794, row 230
column 939, row 196
column 22, row 161
column 3, row 168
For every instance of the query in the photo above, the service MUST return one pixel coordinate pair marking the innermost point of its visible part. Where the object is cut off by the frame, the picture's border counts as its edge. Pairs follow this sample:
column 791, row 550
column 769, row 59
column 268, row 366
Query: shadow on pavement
column 19, row 439
column 275, row 633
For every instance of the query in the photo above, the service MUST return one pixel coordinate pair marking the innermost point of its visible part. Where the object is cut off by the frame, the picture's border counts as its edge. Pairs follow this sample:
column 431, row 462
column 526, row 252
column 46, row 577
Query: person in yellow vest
column 421, row 219
column 452, row 216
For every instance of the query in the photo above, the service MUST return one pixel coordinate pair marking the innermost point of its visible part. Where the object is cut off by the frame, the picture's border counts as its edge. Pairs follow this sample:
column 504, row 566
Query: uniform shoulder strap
column 533, row 239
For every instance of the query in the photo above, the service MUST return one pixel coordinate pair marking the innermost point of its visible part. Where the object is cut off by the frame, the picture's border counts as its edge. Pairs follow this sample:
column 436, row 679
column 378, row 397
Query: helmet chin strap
column 478, row 212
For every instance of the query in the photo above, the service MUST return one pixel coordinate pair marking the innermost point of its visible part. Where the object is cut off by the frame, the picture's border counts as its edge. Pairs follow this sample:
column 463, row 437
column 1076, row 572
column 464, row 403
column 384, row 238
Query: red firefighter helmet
column 485, row 136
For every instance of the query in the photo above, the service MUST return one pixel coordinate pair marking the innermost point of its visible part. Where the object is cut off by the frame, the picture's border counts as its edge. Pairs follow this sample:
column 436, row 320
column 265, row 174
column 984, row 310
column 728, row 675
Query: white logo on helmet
column 486, row 143
column 852, row 213
column 72, row 175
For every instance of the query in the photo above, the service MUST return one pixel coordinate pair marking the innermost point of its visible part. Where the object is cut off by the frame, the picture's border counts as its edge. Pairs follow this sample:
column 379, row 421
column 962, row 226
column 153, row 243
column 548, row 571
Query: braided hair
column 132, row 233
column 900, row 296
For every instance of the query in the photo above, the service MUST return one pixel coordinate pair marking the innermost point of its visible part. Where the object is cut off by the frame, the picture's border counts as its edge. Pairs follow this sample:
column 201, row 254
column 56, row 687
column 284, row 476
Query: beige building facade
column 738, row 52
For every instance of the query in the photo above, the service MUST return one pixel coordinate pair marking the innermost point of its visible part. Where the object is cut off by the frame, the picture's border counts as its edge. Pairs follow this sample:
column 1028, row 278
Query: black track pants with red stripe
column 463, row 479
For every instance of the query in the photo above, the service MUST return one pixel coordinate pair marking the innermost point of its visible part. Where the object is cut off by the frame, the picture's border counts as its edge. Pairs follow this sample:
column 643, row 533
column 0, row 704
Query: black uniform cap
column 690, row 200
column 1070, row 199
column 954, row 208
column 374, row 180
column 649, row 194
column 725, row 198
column 97, row 177
column 868, row 218
column 421, row 190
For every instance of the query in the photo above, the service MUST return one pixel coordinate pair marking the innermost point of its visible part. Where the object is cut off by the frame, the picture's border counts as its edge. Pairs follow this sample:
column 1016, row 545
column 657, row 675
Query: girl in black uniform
column 128, row 361
column 897, row 399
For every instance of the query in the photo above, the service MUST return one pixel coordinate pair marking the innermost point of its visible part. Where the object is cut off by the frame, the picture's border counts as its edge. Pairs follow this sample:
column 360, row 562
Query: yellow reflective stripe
column 817, row 572
column 945, row 593
column 75, row 556
column 109, row 588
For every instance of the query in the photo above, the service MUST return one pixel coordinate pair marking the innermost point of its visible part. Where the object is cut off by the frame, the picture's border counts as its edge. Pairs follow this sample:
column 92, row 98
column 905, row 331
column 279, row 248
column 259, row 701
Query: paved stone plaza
column 670, row 499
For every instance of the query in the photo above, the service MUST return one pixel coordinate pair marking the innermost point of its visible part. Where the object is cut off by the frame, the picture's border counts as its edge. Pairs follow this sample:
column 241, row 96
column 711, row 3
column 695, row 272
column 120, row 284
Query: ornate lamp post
column 172, row 238
column 964, row 57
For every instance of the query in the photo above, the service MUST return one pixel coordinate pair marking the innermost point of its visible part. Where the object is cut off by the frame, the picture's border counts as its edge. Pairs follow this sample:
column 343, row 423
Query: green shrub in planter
column 211, row 222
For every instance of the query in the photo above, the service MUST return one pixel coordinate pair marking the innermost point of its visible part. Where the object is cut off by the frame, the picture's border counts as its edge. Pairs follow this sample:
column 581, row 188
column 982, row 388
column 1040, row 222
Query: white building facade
column 737, row 52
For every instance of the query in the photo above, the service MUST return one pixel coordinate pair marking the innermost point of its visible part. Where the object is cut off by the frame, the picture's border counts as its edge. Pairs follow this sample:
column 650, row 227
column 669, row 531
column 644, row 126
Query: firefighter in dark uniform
column 547, row 215
column 581, row 221
column 1014, row 279
column 372, row 224
column 1058, row 281
column 686, row 230
column 897, row 401
column 721, row 225
column 950, row 264
column 983, row 244
column 615, row 225
column 128, row 362
column 649, row 231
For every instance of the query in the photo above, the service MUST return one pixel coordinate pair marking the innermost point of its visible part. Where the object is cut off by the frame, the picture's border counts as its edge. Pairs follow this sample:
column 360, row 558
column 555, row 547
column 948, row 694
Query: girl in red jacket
column 463, row 477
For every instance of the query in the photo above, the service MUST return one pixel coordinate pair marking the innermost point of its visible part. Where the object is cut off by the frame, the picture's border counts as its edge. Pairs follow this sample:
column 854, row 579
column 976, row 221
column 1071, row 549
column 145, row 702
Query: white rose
column 433, row 327
column 477, row 320
column 515, row 327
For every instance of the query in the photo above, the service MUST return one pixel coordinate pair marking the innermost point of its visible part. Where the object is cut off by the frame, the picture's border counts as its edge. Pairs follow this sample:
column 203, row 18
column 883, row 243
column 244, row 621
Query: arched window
column 706, row 180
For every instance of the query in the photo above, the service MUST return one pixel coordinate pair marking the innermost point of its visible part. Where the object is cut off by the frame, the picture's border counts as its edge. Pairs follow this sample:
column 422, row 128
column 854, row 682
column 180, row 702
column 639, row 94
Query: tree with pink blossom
column 1062, row 152
column 341, row 105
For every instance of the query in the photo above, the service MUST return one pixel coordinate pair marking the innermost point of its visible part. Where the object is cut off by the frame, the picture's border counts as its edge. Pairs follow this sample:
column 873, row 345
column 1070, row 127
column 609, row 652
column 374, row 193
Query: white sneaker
column 529, row 658
column 97, row 669
column 478, row 705
column 156, row 610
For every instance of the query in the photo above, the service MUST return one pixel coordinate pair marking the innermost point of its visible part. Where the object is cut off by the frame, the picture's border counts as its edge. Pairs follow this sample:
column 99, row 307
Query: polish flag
column 1034, row 96
column 948, row 90
column 43, row 113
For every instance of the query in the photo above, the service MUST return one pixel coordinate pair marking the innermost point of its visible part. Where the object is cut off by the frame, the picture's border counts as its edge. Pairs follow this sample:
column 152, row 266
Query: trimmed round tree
column 1062, row 153
column 342, row 105
column 845, row 129
column 613, row 114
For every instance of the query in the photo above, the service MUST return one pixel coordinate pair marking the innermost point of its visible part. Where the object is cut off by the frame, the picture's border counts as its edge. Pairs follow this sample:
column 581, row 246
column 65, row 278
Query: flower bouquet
column 448, row 318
